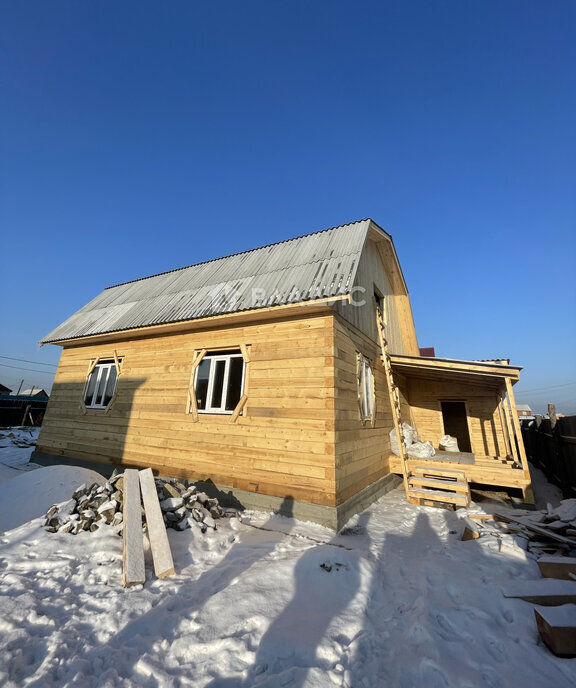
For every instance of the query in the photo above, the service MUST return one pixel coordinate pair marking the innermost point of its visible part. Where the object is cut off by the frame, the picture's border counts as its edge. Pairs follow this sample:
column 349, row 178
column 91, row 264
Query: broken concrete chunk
column 170, row 491
column 171, row 504
column 79, row 492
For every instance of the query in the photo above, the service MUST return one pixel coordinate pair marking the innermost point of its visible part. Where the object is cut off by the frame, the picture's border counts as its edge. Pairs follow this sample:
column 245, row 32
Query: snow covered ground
column 396, row 600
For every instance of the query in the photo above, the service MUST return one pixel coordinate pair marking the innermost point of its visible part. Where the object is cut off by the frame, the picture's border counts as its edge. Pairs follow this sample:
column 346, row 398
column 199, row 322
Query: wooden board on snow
column 557, row 567
column 161, row 554
column 557, row 628
column 547, row 592
column 133, row 544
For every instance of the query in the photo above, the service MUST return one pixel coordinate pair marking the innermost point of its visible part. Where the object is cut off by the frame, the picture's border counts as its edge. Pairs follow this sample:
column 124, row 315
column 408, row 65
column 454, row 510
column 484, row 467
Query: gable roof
column 314, row 266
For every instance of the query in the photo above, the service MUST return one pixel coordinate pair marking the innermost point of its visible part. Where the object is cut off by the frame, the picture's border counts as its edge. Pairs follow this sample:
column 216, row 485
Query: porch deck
column 485, row 470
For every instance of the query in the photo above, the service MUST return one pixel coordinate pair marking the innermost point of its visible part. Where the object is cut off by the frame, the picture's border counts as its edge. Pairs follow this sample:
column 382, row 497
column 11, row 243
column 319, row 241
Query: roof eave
column 312, row 307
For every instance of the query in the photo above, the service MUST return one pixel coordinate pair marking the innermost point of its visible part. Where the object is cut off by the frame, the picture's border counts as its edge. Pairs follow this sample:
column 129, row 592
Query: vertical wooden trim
column 373, row 419
column 507, row 412
column 245, row 349
column 501, row 412
column 517, row 430
column 191, row 403
column 117, row 363
column 359, row 386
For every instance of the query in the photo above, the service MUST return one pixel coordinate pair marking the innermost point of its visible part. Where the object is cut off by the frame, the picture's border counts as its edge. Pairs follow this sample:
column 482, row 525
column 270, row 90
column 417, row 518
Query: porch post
column 506, row 409
column 501, row 412
column 516, row 425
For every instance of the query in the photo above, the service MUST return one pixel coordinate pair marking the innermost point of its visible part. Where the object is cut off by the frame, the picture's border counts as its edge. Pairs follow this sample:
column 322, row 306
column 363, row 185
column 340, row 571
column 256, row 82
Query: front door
column 456, row 423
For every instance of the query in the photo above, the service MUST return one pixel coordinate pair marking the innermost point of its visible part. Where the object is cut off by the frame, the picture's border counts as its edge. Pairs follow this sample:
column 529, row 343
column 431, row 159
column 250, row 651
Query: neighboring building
column 262, row 372
column 4, row 389
column 34, row 392
column 524, row 412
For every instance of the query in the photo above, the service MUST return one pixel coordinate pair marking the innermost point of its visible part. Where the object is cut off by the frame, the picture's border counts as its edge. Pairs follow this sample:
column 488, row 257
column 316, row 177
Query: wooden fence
column 21, row 410
column 551, row 446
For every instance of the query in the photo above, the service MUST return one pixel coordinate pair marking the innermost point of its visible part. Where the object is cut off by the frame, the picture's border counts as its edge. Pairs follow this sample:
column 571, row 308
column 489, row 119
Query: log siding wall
column 283, row 444
column 484, row 426
column 362, row 451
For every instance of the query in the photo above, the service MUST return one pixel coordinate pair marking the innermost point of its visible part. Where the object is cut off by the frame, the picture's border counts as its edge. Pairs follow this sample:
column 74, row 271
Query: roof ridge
column 239, row 253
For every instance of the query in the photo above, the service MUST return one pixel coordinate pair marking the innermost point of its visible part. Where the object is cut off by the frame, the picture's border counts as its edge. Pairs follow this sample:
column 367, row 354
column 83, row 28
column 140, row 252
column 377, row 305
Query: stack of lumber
column 549, row 531
column 551, row 536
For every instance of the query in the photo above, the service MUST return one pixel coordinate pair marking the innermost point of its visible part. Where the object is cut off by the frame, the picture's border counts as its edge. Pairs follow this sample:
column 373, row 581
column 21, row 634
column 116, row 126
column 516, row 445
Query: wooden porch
column 484, row 390
column 486, row 470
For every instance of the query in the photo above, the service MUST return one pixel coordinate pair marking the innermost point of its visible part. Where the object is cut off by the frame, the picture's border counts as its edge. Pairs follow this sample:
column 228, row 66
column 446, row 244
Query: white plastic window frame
column 221, row 410
column 366, row 390
column 98, row 371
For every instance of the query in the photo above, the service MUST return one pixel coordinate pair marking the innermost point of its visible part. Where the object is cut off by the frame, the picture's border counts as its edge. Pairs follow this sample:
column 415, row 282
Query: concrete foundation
column 329, row 516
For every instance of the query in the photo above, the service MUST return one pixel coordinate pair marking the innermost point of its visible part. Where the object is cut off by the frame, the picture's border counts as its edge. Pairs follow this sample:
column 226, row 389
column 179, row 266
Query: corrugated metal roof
column 313, row 266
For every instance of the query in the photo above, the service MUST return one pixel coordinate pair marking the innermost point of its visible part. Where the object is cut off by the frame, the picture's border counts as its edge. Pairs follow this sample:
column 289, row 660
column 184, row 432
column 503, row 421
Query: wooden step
column 451, row 485
column 431, row 472
column 439, row 496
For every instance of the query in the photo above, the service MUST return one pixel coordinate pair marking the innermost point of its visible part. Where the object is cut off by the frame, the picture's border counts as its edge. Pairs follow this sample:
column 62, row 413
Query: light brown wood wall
column 283, row 445
column 362, row 451
column 400, row 325
column 483, row 418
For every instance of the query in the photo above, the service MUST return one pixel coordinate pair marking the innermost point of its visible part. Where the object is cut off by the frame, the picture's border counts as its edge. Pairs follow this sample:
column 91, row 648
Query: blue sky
column 137, row 137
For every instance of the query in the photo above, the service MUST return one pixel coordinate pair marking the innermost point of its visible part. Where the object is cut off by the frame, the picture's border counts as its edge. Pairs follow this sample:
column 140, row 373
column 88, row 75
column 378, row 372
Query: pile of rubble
column 96, row 505
column 547, row 531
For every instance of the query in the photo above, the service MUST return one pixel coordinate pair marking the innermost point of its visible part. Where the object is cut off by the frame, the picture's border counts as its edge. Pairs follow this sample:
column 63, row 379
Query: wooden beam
column 557, row 628
column 239, row 406
column 518, row 432
column 507, row 445
column 191, row 403
column 133, row 544
column 509, row 427
column 547, row 592
column 543, row 532
column 161, row 554
column 557, row 567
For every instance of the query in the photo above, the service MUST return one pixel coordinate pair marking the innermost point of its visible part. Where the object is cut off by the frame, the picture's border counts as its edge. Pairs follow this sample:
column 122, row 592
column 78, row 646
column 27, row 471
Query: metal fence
column 551, row 446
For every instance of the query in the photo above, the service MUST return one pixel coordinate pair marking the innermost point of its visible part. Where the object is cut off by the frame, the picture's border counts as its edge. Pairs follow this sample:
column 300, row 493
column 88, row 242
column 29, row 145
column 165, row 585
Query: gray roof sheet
column 319, row 265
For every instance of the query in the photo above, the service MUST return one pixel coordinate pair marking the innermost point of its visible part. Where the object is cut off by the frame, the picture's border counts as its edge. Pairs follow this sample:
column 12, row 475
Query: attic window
column 219, row 382
column 101, row 383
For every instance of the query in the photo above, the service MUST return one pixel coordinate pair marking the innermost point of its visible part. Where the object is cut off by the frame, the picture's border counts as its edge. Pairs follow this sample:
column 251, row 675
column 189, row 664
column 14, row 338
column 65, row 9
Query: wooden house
column 268, row 372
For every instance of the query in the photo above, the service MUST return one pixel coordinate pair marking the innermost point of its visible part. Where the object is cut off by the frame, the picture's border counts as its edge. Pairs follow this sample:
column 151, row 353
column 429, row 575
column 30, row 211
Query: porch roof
column 476, row 372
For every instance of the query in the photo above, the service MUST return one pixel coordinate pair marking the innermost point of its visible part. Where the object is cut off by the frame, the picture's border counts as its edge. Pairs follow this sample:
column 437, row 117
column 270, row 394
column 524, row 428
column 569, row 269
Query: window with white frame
column 219, row 382
column 365, row 388
column 101, row 384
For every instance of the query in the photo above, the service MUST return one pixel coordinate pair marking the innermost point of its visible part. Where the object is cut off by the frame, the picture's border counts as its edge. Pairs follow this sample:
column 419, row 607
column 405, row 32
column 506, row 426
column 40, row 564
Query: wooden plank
column 543, row 532
column 557, row 567
column 161, row 553
column 438, row 496
column 557, row 628
column 547, row 592
column 133, row 544
column 450, row 485
column 433, row 472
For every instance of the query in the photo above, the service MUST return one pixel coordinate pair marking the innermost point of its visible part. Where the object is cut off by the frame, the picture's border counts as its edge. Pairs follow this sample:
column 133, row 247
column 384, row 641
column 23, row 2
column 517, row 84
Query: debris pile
column 548, row 531
column 19, row 438
column 93, row 506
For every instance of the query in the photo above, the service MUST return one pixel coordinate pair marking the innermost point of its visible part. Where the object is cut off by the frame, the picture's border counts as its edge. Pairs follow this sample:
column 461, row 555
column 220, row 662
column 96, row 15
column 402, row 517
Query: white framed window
column 219, row 382
column 365, row 388
column 101, row 384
